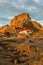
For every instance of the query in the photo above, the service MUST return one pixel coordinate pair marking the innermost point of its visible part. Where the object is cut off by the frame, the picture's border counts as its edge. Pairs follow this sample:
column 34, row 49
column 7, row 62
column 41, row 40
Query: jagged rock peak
column 18, row 20
column 21, row 22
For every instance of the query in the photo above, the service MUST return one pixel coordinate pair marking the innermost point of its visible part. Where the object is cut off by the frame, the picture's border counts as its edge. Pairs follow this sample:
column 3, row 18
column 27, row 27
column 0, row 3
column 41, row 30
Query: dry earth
column 21, row 51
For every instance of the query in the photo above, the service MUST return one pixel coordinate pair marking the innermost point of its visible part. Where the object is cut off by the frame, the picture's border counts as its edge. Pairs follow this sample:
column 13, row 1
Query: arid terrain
column 21, row 42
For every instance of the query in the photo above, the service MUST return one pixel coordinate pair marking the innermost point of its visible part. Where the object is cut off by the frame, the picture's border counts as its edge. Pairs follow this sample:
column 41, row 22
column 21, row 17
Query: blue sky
column 10, row 8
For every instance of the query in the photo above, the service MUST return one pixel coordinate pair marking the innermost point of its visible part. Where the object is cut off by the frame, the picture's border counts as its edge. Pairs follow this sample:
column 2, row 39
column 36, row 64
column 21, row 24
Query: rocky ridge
column 19, row 21
column 20, row 49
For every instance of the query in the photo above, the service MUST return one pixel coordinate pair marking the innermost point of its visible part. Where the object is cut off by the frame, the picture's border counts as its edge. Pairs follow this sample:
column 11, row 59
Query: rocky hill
column 21, row 42
column 20, row 22
column 4, row 29
column 24, row 20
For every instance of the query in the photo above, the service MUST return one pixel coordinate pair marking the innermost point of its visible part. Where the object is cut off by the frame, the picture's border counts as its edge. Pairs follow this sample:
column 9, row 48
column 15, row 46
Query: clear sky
column 10, row 8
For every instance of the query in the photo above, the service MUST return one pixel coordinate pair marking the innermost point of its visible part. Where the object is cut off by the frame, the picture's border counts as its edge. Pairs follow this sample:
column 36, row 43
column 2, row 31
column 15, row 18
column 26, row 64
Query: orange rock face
column 18, row 21
column 24, row 21
column 21, row 22
column 5, row 28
